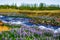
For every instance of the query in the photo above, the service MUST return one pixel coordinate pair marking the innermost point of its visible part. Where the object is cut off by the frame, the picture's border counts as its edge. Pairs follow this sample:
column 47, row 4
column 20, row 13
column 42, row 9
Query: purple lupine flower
column 19, row 32
column 39, row 33
column 24, row 34
column 28, row 33
column 21, row 38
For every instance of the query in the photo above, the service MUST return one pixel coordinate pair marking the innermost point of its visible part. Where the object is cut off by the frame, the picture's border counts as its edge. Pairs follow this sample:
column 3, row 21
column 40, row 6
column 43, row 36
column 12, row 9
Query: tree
column 41, row 6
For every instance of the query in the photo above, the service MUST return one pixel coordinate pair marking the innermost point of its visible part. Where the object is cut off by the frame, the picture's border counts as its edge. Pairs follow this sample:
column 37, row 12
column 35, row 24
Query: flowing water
column 25, row 21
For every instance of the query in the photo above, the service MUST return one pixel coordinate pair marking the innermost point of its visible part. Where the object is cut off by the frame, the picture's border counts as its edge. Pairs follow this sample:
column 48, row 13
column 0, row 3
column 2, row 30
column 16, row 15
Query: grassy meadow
column 38, row 12
column 32, row 10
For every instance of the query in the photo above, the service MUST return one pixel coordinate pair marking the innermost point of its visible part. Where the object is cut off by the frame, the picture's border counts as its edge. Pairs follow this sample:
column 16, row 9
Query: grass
column 32, row 12
column 8, row 10
column 17, row 10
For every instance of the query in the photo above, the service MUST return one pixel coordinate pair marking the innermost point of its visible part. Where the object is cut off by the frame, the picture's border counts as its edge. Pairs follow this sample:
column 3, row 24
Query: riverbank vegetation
column 46, row 21
column 32, row 9
column 24, row 33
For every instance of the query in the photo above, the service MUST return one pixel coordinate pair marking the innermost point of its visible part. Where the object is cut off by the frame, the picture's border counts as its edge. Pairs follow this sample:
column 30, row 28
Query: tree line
column 42, row 6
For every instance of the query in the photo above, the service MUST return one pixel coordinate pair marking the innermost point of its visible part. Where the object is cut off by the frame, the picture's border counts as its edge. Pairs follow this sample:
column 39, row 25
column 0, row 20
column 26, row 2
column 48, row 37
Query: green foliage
column 42, row 6
column 12, row 26
column 48, row 34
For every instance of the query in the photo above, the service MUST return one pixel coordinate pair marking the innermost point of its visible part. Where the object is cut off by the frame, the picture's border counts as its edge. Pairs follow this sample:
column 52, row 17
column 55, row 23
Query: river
column 25, row 21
